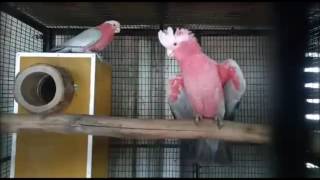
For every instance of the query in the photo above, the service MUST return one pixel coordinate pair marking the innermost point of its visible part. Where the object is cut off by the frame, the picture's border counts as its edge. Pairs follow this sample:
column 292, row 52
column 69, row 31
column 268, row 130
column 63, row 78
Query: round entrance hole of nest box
column 46, row 88
column 38, row 88
column 43, row 88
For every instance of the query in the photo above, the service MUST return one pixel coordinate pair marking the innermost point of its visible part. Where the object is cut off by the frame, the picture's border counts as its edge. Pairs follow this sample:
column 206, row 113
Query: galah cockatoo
column 94, row 39
column 203, row 77
column 231, row 81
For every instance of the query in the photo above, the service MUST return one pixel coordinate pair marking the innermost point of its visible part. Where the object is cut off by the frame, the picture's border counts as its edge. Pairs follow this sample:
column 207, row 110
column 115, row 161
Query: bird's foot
column 99, row 57
column 197, row 119
column 219, row 122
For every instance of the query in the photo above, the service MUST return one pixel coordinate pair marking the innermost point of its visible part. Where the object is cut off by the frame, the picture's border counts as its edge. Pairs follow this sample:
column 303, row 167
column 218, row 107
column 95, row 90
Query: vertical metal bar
column 52, row 39
column 45, row 39
column 290, row 131
column 134, row 159
column 49, row 40
column 196, row 168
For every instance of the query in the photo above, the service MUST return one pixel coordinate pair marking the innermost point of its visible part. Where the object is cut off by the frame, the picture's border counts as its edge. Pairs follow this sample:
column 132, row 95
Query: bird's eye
column 174, row 44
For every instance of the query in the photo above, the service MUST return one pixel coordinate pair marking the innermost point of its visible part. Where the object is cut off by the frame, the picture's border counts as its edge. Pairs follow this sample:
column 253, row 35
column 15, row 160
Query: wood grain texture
column 136, row 128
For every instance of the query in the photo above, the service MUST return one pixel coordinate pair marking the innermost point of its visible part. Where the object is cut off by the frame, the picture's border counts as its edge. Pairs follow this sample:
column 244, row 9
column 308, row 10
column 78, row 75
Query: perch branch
column 136, row 128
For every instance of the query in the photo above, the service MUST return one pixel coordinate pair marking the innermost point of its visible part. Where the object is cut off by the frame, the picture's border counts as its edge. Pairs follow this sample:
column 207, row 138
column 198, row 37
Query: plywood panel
column 103, row 90
column 53, row 155
column 103, row 102
column 100, row 157
column 42, row 154
column 79, row 68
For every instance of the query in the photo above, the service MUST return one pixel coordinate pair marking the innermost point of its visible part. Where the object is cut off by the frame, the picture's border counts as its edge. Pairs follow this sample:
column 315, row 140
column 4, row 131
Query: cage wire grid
column 140, row 69
column 312, row 66
column 15, row 36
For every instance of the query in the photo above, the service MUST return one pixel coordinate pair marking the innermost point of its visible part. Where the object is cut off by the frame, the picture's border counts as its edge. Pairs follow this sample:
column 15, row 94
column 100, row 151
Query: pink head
column 114, row 24
column 181, row 40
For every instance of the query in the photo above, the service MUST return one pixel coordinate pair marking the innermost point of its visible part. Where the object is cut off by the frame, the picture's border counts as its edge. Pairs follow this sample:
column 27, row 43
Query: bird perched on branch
column 92, row 40
column 204, row 89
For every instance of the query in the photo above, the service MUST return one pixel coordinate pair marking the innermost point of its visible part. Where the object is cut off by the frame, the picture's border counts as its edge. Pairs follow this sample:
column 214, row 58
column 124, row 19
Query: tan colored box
column 43, row 154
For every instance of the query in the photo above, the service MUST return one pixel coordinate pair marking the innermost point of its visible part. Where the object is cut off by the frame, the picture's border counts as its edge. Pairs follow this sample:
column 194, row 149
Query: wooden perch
column 136, row 128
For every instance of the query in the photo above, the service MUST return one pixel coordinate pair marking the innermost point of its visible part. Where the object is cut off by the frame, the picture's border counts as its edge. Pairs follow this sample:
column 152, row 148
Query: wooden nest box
column 68, row 83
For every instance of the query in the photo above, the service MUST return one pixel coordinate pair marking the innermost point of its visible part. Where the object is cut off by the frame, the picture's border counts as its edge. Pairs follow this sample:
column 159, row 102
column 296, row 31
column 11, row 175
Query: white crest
column 166, row 37
column 170, row 40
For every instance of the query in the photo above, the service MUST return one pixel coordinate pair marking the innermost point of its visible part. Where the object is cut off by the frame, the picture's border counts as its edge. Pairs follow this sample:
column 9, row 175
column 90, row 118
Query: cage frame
column 48, row 38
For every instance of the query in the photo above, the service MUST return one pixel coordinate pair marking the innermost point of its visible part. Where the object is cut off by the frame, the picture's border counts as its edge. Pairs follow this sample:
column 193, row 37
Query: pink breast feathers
column 105, row 39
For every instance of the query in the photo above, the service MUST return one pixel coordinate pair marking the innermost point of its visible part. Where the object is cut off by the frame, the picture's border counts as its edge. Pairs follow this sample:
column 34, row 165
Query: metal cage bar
column 140, row 71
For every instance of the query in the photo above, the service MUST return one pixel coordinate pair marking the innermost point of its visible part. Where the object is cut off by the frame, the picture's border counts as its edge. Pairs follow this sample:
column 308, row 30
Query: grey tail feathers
column 189, row 157
column 60, row 49
column 213, row 151
column 205, row 151
column 223, row 152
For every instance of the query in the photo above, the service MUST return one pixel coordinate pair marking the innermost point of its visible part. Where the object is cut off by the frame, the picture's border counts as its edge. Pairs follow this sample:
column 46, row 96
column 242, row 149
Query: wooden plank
column 40, row 153
column 103, row 106
column 79, row 68
column 100, row 157
column 44, row 154
column 137, row 128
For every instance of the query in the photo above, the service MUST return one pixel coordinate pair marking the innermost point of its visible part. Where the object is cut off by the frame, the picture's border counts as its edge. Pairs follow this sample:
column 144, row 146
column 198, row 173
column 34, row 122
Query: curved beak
column 117, row 30
column 169, row 53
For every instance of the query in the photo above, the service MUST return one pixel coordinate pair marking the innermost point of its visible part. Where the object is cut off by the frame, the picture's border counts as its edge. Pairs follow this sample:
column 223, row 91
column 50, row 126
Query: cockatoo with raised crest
column 204, row 88
column 203, row 77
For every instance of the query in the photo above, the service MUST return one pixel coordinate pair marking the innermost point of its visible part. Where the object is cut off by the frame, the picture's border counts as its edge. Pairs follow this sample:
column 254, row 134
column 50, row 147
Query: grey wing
column 84, row 39
column 233, row 96
column 181, row 109
column 212, row 151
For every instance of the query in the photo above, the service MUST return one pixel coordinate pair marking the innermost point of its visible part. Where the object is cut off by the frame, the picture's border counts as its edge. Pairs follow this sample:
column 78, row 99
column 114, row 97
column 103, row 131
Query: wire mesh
column 15, row 36
column 140, row 72
column 252, row 54
column 313, row 58
column 139, row 91
column 313, row 94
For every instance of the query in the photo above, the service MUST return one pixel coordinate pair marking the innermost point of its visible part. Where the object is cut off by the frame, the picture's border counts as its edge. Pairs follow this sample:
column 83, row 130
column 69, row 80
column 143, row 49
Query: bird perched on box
column 92, row 40
column 204, row 89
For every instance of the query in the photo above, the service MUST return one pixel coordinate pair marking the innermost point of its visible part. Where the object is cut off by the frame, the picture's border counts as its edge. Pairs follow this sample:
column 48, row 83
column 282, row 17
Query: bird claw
column 99, row 57
column 197, row 119
column 219, row 123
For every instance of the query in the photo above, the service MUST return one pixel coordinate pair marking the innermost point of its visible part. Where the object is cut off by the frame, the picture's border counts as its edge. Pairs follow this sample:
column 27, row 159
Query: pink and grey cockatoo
column 198, row 70
column 203, row 77
column 94, row 39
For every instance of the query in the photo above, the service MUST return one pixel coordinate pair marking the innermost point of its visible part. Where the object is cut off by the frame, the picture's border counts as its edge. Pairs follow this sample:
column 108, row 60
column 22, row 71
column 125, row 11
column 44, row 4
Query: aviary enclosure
column 259, row 36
